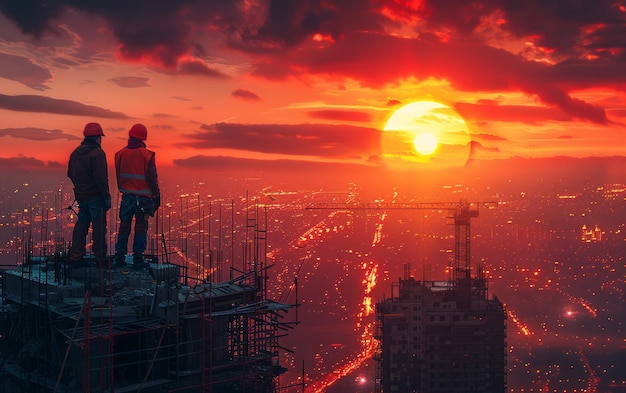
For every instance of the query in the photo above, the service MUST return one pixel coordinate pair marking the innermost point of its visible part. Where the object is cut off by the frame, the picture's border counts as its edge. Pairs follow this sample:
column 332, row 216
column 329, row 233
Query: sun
column 426, row 132
column 425, row 143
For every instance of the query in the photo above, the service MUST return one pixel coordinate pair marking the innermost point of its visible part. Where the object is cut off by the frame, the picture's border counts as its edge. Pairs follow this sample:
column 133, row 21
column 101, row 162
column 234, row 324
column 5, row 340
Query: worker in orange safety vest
column 137, row 180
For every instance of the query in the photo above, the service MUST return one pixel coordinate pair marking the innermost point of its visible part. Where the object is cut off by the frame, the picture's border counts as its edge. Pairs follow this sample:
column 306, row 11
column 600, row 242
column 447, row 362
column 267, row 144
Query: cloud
column 484, row 68
column 341, row 115
column 488, row 137
column 491, row 111
column 22, row 162
column 24, row 71
column 163, row 116
column 32, row 19
column 581, row 41
column 36, row 134
column 477, row 146
column 564, row 28
column 197, row 67
column 297, row 167
column 297, row 139
column 393, row 102
column 245, row 95
column 158, row 32
column 130, row 81
column 573, row 106
column 32, row 103
column 163, row 31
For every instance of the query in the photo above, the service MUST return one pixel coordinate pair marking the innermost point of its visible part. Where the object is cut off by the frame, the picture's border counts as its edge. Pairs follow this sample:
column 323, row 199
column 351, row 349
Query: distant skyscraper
column 591, row 235
column 441, row 337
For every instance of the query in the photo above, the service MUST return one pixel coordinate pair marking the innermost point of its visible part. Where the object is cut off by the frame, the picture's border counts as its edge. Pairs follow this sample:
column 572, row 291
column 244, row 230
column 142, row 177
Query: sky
column 312, row 80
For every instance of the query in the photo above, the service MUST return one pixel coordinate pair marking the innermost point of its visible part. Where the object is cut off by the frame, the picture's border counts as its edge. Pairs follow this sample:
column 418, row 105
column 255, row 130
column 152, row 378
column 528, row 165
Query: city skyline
column 309, row 81
column 530, row 245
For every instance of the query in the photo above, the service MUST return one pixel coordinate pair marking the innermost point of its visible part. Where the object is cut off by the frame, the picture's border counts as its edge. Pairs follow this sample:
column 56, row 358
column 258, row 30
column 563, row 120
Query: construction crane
column 460, row 213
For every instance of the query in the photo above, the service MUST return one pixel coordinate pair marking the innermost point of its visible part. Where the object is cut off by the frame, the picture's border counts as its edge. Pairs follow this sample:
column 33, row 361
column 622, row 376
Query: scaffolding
column 165, row 328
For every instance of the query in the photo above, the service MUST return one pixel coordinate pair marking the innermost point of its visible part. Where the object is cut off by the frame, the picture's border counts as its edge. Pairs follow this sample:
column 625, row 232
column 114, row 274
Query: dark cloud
column 31, row 16
column 21, row 162
column 197, row 67
column 393, row 102
column 131, row 81
column 477, row 146
column 484, row 68
column 222, row 163
column 157, row 31
column 36, row 134
column 287, row 23
column 22, row 70
column 145, row 31
column 31, row 103
column 162, row 116
column 586, row 36
column 341, row 115
column 290, row 23
column 573, row 106
column 582, row 74
column 163, row 30
column 245, row 95
column 298, row 139
column 568, row 27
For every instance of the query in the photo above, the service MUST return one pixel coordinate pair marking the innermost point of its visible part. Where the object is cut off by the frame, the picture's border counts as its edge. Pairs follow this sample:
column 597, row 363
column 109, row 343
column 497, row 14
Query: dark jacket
column 135, row 170
column 87, row 169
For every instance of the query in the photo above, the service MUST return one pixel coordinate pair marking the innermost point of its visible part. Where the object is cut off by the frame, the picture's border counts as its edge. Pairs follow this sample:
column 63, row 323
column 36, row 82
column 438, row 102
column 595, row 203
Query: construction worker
column 136, row 174
column 87, row 168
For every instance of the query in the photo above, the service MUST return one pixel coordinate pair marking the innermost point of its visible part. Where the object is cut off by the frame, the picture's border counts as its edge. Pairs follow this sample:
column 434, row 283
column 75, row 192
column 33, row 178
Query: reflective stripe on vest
column 131, row 165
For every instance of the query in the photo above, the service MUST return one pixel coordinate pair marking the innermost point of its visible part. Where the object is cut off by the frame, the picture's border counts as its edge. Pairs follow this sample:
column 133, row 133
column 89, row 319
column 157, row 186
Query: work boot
column 138, row 262
column 120, row 260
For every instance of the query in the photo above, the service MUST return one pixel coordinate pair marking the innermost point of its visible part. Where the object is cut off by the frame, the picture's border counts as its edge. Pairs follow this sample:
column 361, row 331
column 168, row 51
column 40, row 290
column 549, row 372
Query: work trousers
column 91, row 212
column 129, row 208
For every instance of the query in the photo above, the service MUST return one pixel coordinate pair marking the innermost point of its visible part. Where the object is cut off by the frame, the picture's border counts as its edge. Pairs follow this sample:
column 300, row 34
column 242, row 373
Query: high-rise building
column 591, row 235
column 443, row 336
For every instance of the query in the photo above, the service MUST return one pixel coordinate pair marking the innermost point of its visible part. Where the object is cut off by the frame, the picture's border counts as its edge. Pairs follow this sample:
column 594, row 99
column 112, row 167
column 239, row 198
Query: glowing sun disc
column 425, row 132
column 425, row 143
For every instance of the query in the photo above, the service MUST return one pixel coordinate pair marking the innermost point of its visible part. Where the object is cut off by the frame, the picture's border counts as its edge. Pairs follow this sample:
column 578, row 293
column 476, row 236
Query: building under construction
column 97, row 328
column 445, row 336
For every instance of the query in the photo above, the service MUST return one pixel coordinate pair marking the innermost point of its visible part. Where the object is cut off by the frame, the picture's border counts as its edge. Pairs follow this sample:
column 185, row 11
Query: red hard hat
column 93, row 129
column 138, row 131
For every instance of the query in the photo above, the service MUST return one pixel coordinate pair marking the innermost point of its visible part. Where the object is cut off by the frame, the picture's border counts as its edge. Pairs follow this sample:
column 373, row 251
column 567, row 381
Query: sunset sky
column 312, row 80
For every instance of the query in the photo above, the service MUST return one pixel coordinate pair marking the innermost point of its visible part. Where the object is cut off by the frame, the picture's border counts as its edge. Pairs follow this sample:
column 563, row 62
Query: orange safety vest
column 131, row 166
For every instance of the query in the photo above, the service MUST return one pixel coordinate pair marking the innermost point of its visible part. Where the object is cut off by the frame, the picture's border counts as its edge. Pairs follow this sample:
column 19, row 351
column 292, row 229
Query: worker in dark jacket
column 136, row 174
column 87, row 168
